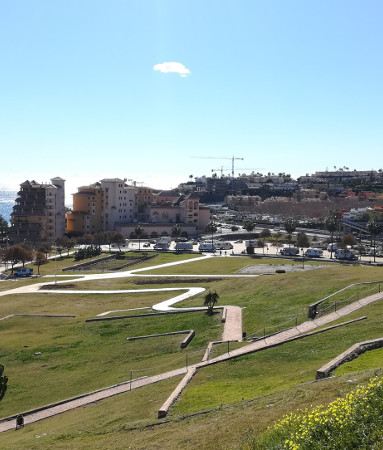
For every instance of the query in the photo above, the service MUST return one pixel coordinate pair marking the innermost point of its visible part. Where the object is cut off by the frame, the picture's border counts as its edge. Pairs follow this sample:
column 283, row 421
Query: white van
column 314, row 252
column 223, row 245
column 289, row 251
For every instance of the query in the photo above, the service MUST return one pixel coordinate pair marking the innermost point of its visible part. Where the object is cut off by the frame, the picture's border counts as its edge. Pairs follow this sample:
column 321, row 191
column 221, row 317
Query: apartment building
column 39, row 212
column 119, row 202
column 102, row 206
column 87, row 214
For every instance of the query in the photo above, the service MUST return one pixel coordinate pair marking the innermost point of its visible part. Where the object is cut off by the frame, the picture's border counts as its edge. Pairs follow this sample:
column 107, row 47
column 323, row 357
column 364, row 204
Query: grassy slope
column 126, row 421
column 275, row 369
column 370, row 359
column 78, row 357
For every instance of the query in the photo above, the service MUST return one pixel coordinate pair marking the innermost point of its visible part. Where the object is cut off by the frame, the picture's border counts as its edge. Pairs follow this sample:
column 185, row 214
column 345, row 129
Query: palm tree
column 290, row 226
column 374, row 228
column 210, row 300
column 331, row 224
column 212, row 228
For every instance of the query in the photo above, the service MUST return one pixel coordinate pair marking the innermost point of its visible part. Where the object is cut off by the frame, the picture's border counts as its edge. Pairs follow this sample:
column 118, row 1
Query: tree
column 3, row 228
column 261, row 244
column 249, row 225
column 15, row 254
column 109, row 238
column 99, row 239
column 303, row 240
column 26, row 254
column 59, row 246
column 211, row 228
column 68, row 243
column 118, row 239
column 210, row 300
column 177, row 230
column 139, row 231
column 374, row 228
column 290, row 225
column 265, row 233
column 348, row 239
column 39, row 260
column 331, row 224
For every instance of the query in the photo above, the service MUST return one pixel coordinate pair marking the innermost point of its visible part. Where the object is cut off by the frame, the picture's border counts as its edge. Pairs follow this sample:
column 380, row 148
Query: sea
column 7, row 200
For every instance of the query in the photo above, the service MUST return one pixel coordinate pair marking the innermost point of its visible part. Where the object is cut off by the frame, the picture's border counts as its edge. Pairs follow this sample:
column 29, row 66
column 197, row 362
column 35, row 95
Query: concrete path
column 86, row 399
column 304, row 327
column 233, row 324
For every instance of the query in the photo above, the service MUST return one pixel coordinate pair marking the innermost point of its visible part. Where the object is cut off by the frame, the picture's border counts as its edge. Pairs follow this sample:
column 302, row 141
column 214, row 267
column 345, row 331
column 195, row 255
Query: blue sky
column 289, row 85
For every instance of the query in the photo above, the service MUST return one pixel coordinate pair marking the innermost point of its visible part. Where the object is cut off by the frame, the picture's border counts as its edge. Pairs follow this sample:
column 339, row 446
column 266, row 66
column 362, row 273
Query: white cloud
column 172, row 67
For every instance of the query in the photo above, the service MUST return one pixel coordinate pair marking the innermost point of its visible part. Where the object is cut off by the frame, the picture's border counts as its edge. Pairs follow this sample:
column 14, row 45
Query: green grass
column 77, row 356
column 368, row 360
column 128, row 421
column 219, row 265
column 81, row 305
column 255, row 390
column 269, row 302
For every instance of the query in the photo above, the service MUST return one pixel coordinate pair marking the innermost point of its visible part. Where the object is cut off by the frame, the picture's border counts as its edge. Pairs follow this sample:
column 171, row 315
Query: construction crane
column 221, row 169
column 232, row 159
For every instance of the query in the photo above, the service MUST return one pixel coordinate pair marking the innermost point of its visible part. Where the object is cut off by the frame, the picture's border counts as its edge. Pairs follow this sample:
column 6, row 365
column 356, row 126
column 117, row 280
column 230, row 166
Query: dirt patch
column 270, row 268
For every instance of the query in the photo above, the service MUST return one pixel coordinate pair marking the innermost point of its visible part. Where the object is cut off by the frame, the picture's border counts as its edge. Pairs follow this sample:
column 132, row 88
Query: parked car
column 162, row 246
column 23, row 272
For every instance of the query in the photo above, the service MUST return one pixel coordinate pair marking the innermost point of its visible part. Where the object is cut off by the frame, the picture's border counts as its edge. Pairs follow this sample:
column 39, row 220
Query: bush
column 87, row 252
column 355, row 421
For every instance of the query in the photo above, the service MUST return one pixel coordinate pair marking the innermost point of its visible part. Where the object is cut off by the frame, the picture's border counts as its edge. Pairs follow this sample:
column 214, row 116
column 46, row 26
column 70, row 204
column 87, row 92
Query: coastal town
column 191, row 225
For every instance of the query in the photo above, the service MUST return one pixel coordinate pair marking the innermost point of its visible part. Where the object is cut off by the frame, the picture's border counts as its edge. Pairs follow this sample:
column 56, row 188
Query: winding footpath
column 232, row 331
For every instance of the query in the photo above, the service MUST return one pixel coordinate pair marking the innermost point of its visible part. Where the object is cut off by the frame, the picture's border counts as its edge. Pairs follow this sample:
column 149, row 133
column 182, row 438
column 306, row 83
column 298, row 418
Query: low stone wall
column 169, row 279
column 188, row 339
column 185, row 342
column 163, row 411
column 138, row 316
column 351, row 353
column 91, row 262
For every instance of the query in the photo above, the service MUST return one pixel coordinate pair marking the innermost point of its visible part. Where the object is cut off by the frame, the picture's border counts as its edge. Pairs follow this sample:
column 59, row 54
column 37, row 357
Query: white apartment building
column 119, row 202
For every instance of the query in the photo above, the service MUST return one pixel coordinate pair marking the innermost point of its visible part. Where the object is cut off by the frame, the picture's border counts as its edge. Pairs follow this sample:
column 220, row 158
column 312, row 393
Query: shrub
column 354, row 421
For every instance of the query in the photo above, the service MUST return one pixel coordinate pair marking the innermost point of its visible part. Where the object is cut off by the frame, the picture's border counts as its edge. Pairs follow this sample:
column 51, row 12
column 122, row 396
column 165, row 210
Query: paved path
column 74, row 403
column 233, row 325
